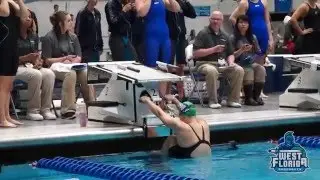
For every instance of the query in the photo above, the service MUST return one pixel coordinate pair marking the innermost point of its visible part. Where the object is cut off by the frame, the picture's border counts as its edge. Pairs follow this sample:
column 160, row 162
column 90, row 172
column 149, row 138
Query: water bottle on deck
column 81, row 113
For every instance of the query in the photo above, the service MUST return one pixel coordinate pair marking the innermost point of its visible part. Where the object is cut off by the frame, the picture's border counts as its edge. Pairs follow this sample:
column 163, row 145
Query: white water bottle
column 82, row 114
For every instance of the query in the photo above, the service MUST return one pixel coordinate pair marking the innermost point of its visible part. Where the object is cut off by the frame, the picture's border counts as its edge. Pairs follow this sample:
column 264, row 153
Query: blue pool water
column 248, row 162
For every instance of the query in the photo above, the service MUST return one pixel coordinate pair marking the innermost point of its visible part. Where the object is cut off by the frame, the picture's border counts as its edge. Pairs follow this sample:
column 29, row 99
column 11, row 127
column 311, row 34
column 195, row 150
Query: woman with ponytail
column 60, row 45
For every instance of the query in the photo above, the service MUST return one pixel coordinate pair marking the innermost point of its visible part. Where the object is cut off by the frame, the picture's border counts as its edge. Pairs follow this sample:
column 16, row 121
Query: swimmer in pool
column 192, row 135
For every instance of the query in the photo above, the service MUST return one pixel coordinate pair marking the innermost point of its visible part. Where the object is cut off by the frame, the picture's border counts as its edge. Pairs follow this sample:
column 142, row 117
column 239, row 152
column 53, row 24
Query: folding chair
column 13, row 106
column 197, row 77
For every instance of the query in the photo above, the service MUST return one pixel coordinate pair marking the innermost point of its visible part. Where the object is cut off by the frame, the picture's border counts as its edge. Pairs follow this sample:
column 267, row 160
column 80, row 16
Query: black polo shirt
column 207, row 38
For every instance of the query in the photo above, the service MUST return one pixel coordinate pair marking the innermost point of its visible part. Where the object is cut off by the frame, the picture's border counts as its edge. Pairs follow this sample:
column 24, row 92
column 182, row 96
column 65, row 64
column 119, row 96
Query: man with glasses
column 213, row 54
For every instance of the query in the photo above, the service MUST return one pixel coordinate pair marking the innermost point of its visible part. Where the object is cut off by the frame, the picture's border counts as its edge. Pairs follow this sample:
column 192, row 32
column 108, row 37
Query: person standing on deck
column 120, row 15
column 309, row 11
column 156, row 32
column 177, row 31
column 88, row 30
column 11, row 12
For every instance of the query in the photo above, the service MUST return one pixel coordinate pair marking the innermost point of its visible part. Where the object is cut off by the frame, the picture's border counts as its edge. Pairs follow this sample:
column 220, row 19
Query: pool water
column 248, row 162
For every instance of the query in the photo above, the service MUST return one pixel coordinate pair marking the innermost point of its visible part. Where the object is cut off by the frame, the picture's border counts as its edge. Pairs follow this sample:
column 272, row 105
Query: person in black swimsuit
column 186, row 143
column 309, row 11
column 185, row 152
column 10, row 11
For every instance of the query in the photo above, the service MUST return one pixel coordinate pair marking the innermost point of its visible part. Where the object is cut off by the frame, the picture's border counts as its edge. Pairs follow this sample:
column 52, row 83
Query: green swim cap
column 188, row 109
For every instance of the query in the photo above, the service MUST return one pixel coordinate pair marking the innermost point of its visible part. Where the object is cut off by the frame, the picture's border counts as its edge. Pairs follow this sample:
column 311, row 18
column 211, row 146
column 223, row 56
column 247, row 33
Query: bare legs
column 7, row 105
column 5, row 94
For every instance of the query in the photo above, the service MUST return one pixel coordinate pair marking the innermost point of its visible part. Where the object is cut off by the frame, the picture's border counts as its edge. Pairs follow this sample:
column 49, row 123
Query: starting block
column 303, row 92
column 125, row 82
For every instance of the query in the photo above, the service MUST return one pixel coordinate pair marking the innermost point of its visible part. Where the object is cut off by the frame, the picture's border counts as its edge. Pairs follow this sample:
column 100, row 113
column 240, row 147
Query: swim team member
column 192, row 135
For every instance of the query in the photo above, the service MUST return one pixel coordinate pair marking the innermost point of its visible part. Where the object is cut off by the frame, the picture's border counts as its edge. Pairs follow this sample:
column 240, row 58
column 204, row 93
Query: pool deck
column 69, row 131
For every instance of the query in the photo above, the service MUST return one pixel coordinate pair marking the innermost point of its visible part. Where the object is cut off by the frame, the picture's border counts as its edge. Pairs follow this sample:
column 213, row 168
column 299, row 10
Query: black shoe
column 248, row 95
column 260, row 101
column 258, row 87
column 250, row 102
column 69, row 115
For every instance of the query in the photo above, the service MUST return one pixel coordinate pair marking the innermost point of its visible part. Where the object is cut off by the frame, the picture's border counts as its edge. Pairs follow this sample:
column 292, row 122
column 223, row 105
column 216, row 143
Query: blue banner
column 202, row 10
column 283, row 6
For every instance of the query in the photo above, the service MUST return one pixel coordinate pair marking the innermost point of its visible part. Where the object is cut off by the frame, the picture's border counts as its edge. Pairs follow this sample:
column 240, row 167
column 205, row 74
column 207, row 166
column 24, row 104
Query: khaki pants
column 256, row 73
column 234, row 75
column 40, row 87
column 69, row 79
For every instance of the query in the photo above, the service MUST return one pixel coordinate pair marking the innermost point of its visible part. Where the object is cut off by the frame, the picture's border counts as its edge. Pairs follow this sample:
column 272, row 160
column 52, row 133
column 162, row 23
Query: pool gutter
column 129, row 139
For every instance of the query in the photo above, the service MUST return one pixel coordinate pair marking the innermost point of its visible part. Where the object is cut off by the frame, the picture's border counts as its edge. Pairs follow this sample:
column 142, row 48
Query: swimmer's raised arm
column 142, row 7
column 169, row 121
column 4, row 8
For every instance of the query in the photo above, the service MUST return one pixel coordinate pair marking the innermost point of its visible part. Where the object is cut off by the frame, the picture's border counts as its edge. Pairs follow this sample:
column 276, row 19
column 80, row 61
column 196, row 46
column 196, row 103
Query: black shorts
column 178, row 50
column 9, row 62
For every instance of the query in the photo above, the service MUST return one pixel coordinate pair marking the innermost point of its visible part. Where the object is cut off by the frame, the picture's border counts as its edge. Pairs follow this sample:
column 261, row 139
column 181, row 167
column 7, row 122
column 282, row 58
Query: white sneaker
column 215, row 105
column 234, row 104
column 263, row 96
column 47, row 115
column 34, row 117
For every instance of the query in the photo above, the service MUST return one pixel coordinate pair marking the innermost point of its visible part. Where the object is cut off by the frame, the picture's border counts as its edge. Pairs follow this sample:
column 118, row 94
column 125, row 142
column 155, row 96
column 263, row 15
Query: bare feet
column 13, row 121
column 7, row 124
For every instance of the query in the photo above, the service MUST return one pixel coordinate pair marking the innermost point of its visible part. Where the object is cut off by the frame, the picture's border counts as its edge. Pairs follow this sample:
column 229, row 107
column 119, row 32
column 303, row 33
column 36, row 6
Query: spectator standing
column 10, row 14
column 88, row 30
column 177, row 31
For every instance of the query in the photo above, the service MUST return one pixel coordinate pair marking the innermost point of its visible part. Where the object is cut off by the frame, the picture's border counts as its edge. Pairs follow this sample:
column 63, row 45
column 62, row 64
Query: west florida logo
column 289, row 156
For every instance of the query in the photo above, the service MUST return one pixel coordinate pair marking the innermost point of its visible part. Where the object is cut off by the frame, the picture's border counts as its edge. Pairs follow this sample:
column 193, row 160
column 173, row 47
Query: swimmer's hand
column 145, row 99
column 170, row 97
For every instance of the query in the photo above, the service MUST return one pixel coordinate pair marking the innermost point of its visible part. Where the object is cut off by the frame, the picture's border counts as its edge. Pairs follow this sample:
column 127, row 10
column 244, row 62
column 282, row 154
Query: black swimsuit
column 310, row 42
column 182, row 152
column 9, row 34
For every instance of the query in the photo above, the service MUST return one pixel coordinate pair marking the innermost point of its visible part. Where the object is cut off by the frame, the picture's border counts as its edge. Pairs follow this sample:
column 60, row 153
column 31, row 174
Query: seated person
column 192, row 137
column 211, row 50
column 61, row 46
column 247, row 53
column 40, row 80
